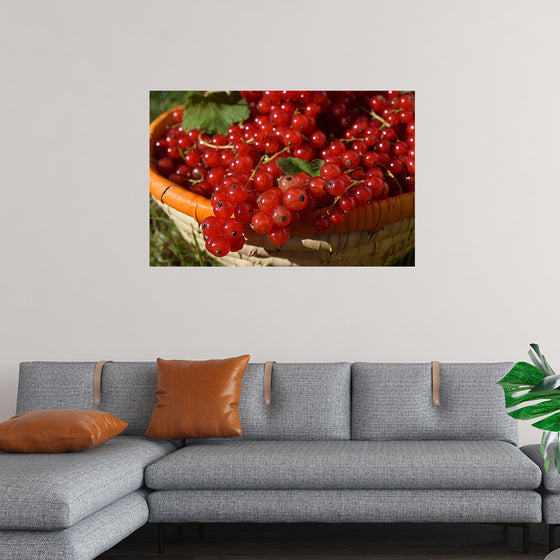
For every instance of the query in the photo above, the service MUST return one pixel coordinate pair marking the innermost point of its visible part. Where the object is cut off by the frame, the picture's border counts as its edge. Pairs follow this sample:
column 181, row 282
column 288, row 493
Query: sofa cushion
column 394, row 401
column 45, row 385
column 127, row 390
column 85, row 540
column 58, row 431
column 309, row 402
column 197, row 399
column 551, row 508
column 225, row 465
column 550, row 478
column 54, row 491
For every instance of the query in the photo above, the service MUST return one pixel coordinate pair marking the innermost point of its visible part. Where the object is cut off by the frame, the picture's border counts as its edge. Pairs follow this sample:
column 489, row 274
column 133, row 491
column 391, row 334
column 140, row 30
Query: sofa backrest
column 309, row 401
column 127, row 389
column 394, row 401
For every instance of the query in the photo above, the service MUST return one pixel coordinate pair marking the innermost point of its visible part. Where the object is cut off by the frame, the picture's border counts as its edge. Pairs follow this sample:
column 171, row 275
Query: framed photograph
column 282, row 178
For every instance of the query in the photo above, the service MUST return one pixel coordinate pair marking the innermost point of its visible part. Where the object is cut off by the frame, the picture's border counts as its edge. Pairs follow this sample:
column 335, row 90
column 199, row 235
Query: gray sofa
column 550, row 491
column 340, row 442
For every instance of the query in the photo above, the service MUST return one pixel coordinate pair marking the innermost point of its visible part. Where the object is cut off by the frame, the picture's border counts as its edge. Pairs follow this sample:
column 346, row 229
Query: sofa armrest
column 551, row 479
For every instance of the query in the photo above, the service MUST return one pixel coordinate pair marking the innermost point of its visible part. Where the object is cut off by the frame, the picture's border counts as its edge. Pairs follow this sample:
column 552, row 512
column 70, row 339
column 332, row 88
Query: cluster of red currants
column 363, row 143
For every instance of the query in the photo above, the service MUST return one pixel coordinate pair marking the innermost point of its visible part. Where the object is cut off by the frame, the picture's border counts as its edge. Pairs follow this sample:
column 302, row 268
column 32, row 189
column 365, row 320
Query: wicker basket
column 375, row 234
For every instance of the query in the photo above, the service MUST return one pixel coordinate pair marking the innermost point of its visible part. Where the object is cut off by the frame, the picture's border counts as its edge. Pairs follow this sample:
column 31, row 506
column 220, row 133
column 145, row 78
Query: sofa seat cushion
column 55, row 491
column 550, row 478
column 290, row 465
column 85, row 540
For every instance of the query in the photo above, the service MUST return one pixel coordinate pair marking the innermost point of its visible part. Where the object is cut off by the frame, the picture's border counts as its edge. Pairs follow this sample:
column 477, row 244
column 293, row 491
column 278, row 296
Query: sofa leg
column 161, row 538
column 525, row 538
column 551, row 528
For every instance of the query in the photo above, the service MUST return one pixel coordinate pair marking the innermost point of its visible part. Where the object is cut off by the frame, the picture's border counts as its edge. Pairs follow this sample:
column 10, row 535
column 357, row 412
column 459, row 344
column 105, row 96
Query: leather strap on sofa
column 268, row 383
column 435, row 384
column 97, row 371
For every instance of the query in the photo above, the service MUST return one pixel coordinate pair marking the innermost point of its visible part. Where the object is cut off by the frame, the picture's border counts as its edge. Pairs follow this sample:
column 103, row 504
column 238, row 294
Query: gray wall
column 75, row 282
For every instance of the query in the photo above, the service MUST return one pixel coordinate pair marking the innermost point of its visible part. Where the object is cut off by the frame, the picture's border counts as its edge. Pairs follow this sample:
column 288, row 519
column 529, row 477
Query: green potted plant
column 526, row 383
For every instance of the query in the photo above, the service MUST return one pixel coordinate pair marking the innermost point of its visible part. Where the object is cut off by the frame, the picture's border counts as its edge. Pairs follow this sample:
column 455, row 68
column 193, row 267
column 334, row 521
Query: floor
column 330, row 542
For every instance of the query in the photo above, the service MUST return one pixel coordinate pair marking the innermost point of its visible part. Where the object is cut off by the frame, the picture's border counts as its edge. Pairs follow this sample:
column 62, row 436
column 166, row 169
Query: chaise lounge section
column 74, row 506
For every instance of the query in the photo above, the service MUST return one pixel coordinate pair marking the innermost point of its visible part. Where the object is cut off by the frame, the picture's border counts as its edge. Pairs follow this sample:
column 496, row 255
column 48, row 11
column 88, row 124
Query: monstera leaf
column 526, row 383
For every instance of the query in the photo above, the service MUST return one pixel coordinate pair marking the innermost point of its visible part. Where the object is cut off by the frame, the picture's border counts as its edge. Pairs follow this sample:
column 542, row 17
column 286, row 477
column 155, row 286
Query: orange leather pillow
column 58, row 431
column 197, row 399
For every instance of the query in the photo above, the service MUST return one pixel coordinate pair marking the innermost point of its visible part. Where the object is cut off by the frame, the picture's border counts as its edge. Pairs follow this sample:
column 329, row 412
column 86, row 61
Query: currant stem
column 394, row 178
column 256, row 168
column 207, row 144
column 380, row 119
column 337, row 198
column 265, row 159
column 374, row 115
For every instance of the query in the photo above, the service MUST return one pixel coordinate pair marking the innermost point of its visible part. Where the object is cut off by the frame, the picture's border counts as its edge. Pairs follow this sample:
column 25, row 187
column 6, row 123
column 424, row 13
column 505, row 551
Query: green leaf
column 547, row 366
column 536, row 410
column 547, row 384
column 521, row 375
column 525, row 383
column 540, row 361
column 214, row 112
column 292, row 166
column 550, row 423
column 549, row 440
column 512, row 400
column 546, row 440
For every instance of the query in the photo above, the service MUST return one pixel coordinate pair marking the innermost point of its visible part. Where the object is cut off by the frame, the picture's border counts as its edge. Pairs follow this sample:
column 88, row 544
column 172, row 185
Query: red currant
column 317, row 186
column 269, row 199
column 281, row 215
column 237, row 193
column 178, row 115
column 262, row 222
column 244, row 212
column 329, row 170
column 346, row 203
column 295, row 198
column 243, row 164
column 223, row 209
column 278, row 235
column 286, row 182
column 218, row 246
column 318, row 139
column 165, row 166
column 335, row 215
column 350, row 159
column 320, row 223
column 232, row 228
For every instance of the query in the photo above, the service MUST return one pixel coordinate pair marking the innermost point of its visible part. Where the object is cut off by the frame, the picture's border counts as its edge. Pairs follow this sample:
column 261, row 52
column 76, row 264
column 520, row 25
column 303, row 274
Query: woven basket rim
column 370, row 217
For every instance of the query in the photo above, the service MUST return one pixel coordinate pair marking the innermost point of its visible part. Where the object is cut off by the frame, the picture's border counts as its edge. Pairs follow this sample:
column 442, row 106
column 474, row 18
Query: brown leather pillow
column 197, row 399
column 58, row 431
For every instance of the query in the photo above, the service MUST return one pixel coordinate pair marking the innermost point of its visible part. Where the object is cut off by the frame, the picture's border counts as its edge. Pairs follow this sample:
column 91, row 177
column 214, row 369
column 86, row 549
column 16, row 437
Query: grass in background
column 161, row 101
column 407, row 260
column 167, row 246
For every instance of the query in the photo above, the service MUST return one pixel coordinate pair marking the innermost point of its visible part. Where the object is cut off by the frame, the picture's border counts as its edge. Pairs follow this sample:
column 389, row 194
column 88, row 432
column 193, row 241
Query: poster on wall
column 282, row 178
